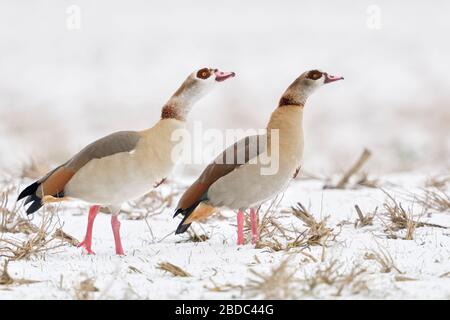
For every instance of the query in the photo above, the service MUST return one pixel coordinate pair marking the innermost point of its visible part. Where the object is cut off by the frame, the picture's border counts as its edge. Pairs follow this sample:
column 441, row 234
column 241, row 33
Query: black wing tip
column 177, row 212
column 36, row 204
column 28, row 191
column 182, row 228
column 30, row 194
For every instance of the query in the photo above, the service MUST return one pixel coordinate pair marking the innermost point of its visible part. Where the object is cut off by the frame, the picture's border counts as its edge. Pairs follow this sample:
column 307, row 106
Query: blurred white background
column 60, row 88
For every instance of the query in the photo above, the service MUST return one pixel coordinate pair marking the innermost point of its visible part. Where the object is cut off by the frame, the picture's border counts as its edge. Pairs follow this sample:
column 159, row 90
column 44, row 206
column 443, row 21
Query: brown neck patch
column 171, row 111
column 287, row 100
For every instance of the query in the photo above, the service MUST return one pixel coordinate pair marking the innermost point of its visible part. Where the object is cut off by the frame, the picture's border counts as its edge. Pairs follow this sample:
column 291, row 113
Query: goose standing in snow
column 238, row 182
column 124, row 165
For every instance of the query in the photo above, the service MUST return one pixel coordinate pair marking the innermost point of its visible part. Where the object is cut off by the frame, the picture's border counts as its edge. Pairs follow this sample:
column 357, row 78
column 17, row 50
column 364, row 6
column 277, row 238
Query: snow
column 423, row 261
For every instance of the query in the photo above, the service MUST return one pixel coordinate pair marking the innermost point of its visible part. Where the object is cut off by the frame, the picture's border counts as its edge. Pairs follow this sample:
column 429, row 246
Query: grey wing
column 230, row 159
column 233, row 157
column 243, row 150
column 122, row 141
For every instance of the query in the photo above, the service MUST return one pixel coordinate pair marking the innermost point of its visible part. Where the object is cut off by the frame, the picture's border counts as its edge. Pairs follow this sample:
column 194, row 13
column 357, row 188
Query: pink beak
column 329, row 78
column 222, row 76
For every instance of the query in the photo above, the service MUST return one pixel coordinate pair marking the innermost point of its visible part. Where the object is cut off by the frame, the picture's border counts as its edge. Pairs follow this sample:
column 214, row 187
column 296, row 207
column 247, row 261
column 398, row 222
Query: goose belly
column 116, row 179
column 246, row 187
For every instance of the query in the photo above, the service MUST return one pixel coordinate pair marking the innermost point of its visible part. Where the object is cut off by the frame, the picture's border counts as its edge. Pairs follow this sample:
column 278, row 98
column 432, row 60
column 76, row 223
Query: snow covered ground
column 367, row 261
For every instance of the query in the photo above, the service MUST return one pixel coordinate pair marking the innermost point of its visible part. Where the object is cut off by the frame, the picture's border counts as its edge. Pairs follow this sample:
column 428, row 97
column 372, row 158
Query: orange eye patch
column 314, row 75
column 203, row 73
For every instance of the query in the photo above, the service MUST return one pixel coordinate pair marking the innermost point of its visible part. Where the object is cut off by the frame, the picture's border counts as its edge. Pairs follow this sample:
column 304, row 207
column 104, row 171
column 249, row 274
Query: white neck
column 181, row 102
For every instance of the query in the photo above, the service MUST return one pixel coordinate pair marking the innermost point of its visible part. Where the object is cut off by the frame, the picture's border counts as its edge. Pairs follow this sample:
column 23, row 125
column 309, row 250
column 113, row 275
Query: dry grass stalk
column 221, row 288
column 410, row 228
column 398, row 216
column 275, row 245
column 266, row 224
column 351, row 280
column 277, row 237
column 134, row 269
column 273, row 234
column 60, row 234
column 152, row 204
column 384, row 259
column 365, row 155
column 36, row 244
column 10, row 220
column 194, row 237
column 84, row 290
column 363, row 180
column 6, row 279
column 327, row 275
column 173, row 269
column 362, row 220
column 281, row 238
column 318, row 232
column 268, row 227
column 401, row 219
column 400, row 278
column 331, row 275
column 278, row 284
column 438, row 182
column 434, row 199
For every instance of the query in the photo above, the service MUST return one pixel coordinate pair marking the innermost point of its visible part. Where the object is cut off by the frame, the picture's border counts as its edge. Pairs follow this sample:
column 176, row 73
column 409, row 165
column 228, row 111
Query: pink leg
column 254, row 223
column 240, row 227
column 87, row 242
column 116, row 231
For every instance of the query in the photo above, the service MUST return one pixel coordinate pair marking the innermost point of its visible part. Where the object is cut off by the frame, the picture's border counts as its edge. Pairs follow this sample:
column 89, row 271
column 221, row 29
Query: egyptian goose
column 124, row 165
column 240, row 177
